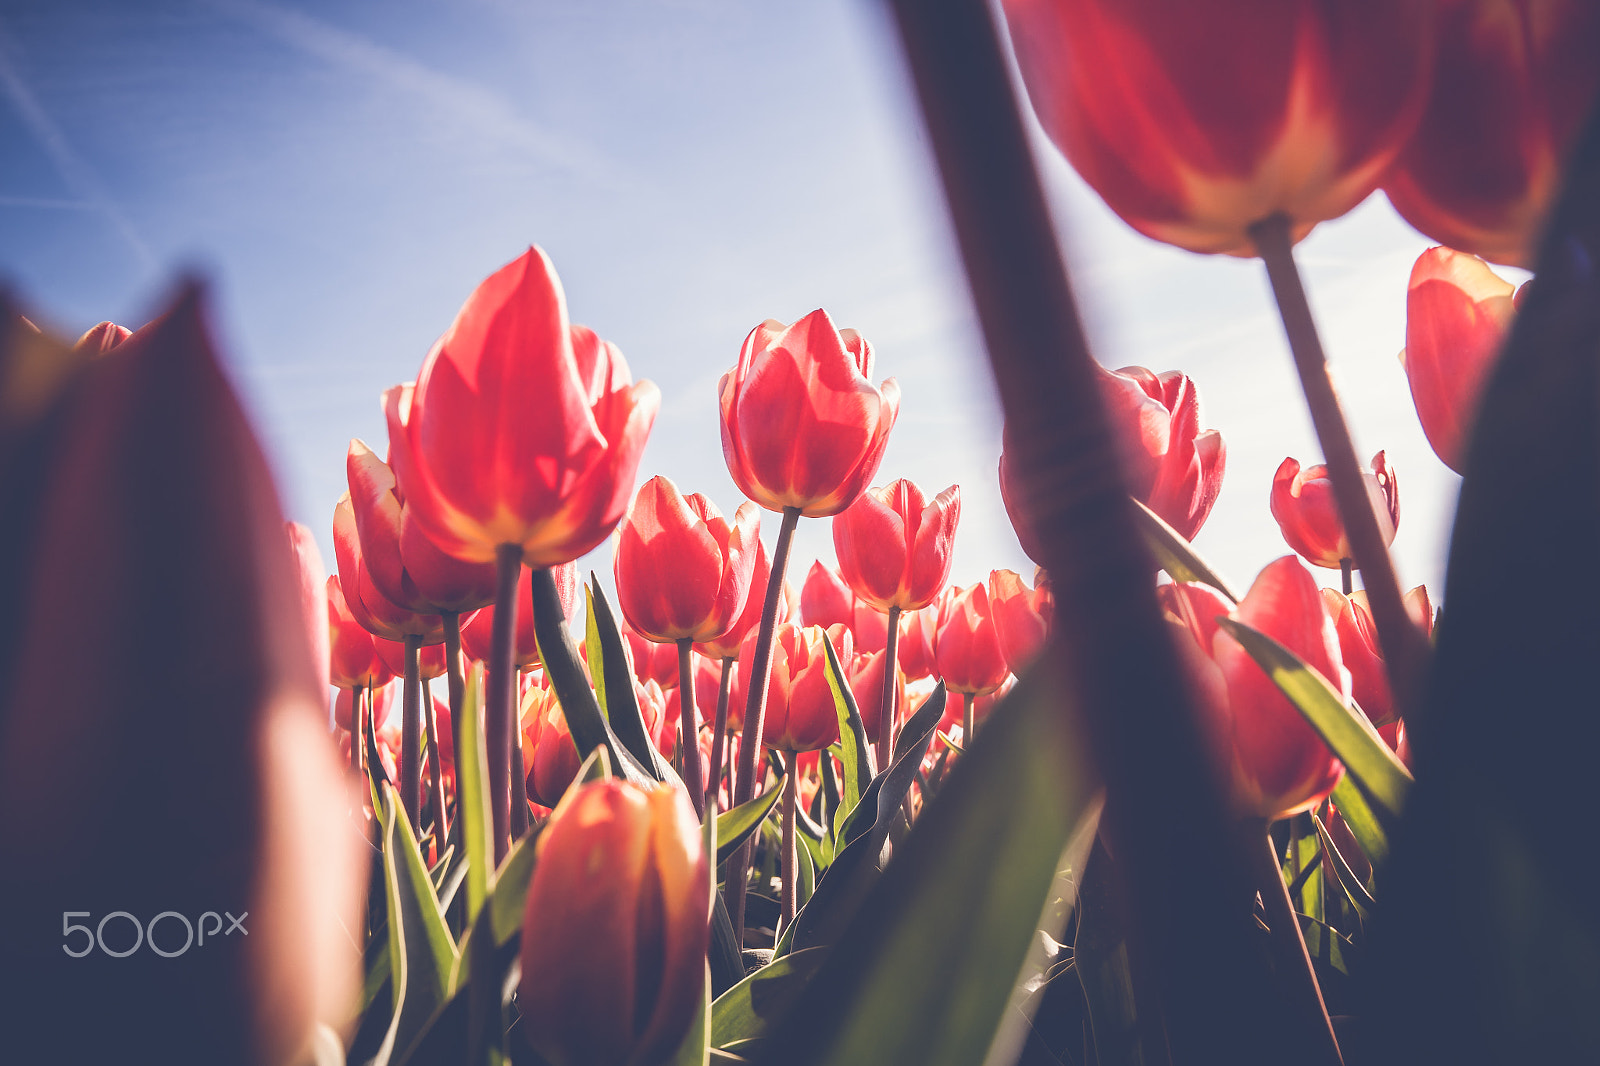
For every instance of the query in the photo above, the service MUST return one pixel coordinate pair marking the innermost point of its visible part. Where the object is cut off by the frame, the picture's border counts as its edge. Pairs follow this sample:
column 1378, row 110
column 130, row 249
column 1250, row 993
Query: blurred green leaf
column 1176, row 555
column 511, row 888
column 854, row 753
column 925, row 968
column 1362, row 821
column 472, row 794
column 1354, row 890
column 1304, row 849
column 696, row 1047
column 749, row 1008
column 735, row 825
column 1346, row 731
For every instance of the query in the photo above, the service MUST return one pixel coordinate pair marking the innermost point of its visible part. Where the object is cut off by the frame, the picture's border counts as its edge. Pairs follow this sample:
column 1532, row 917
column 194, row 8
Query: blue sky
column 345, row 172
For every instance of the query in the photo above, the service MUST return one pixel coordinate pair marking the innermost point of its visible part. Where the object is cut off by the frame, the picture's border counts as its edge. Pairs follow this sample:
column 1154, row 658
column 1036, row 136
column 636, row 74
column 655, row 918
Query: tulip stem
column 1404, row 649
column 411, row 736
column 968, row 726
column 1293, row 960
column 790, row 857
column 755, row 713
column 518, row 771
column 355, row 730
column 719, row 736
column 1346, row 570
column 886, row 708
column 499, row 710
column 430, row 722
column 455, row 680
column 689, row 728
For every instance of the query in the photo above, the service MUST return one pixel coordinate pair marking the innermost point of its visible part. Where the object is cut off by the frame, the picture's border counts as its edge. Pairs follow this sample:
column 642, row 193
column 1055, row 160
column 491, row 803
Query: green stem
column 456, row 681
column 411, row 736
column 1404, row 650
column 499, row 708
column 1346, row 566
column 968, row 726
column 435, row 773
column 886, row 706
column 755, row 713
column 790, row 857
column 719, row 736
column 689, row 728
column 519, row 774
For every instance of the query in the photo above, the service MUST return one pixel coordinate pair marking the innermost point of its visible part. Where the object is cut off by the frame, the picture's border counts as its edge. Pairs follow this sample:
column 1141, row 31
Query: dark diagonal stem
column 886, row 707
column 689, row 728
column 499, row 711
column 1405, row 651
column 790, row 858
column 518, row 772
column 755, row 713
column 411, row 736
column 719, row 736
column 435, row 773
column 456, row 680
column 1299, row 980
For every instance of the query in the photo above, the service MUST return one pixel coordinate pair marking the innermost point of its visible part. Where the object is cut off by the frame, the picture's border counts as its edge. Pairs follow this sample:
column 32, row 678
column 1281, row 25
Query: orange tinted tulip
column 800, row 708
column 1303, row 504
column 802, row 424
column 524, row 429
column 683, row 570
column 1195, row 120
column 1457, row 314
column 1513, row 82
column 616, row 927
column 894, row 546
column 1275, row 763
column 967, row 648
column 1021, row 617
column 549, row 754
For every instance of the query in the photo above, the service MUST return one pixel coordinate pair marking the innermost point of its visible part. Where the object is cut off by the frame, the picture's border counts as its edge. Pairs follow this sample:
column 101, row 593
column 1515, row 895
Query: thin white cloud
column 78, row 175
column 470, row 104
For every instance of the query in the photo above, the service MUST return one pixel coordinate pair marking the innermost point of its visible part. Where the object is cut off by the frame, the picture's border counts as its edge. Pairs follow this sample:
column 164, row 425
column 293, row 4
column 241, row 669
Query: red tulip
column 894, row 546
column 967, row 648
column 403, row 564
column 918, row 632
column 866, row 684
column 478, row 628
column 378, row 614
column 651, row 661
column 616, row 927
column 524, row 429
column 1358, row 646
column 353, row 659
column 102, row 338
column 802, row 424
column 800, row 711
column 726, row 645
column 1274, row 762
column 1302, row 502
column 1194, row 121
column 430, row 659
column 1513, row 81
column 1457, row 314
column 1021, row 617
column 549, row 754
column 683, row 571
column 1172, row 466
column 386, row 700
column 825, row 600
column 313, row 595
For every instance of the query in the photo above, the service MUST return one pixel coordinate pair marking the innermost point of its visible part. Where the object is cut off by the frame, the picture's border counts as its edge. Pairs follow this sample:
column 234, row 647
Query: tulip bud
column 1512, row 85
column 524, row 429
column 1302, row 502
column 866, row 684
column 549, row 754
column 967, row 648
column 802, row 424
column 894, row 547
column 1457, row 314
column 918, row 632
column 616, row 927
column 1193, row 121
column 801, row 715
column 102, row 338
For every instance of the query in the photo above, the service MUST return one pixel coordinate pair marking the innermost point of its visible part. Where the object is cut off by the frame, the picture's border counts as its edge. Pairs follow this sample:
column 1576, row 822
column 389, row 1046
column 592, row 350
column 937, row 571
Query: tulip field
column 454, row 799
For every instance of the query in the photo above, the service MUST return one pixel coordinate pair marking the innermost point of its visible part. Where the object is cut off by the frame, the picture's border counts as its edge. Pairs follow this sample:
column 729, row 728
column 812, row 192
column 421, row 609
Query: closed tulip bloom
column 549, row 754
column 477, row 629
column 352, row 657
column 918, row 632
column 894, row 546
column 313, row 595
column 683, row 570
column 866, row 684
column 802, row 424
column 726, row 644
column 381, row 616
column 651, row 661
column 967, row 648
column 826, row 600
column 1193, row 121
column 1272, row 759
column 101, row 338
column 1513, row 81
column 1021, row 617
column 404, row 565
column 1303, row 504
column 1458, row 313
column 616, row 927
column 800, row 711
column 524, row 429
column 1358, row 646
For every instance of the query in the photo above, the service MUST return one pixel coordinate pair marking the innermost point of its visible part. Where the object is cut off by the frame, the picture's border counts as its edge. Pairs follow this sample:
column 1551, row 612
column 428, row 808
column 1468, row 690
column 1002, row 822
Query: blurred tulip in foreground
column 802, row 424
column 1458, row 313
column 1513, row 81
column 1302, row 503
column 894, row 545
column 1274, row 762
column 313, row 596
column 1194, row 120
column 616, row 926
column 524, row 429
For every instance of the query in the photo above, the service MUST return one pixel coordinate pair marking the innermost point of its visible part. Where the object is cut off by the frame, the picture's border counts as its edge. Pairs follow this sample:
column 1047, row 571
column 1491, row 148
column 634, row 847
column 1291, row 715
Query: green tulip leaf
column 1362, row 822
column 923, row 971
column 474, row 821
column 613, row 685
column 1176, row 555
column 511, row 888
column 738, row 824
column 696, row 1047
column 855, row 757
column 1354, row 890
column 1347, row 732
column 745, row 1011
